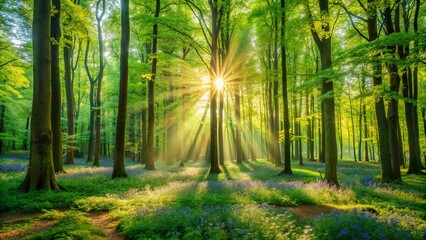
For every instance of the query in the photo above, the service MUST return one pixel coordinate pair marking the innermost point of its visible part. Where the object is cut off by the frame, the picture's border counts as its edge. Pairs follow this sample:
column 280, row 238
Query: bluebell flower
column 342, row 233
column 357, row 224
column 365, row 235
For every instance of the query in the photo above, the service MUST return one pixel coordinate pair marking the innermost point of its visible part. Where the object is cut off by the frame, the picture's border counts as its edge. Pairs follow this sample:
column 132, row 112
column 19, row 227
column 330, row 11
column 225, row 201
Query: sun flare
column 219, row 84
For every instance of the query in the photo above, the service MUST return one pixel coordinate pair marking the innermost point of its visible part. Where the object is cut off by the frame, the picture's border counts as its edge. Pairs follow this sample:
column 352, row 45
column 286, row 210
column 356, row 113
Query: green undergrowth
column 70, row 225
column 247, row 201
column 211, row 222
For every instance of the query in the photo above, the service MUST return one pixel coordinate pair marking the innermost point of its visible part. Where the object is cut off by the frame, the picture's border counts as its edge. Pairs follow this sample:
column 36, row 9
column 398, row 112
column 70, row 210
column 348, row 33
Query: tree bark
column 221, row 148
column 393, row 115
column 329, row 125
column 364, row 114
column 40, row 173
column 214, row 73
column 383, row 129
column 92, row 105
column 69, row 93
column 360, row 131
column 144, row 150
column 56, row 89
column 98, row 118
column 119, row 170
column 151, row 155
column 252, row 133
column 284, row 81
column 276, row 121
column 409, row 90
column 238, row 139
column 2, row 128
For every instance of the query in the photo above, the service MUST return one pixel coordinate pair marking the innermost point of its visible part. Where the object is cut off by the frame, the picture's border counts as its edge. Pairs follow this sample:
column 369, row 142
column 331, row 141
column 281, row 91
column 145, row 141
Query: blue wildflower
column 365, row 235
column 342, row 233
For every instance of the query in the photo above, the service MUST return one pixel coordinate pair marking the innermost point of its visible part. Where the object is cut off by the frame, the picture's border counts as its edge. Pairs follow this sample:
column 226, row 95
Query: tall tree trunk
column 104, row 139
column 238, row 139
column 144, row 150
column 321, row 138
column 271, row 123
column 119, row 170
column 383, row 129
column 415, row 86
column 276, row 123
column 224, row 49
column 69, row 93
column 41, row 172
column 56, row 89
column 2, row 128
column 329, row 125
column 252, row 136
column 360, row 131
column 312, row 139
column 340, row 131
column 92, row 105
column 364, row 114
column 151, row 155
column 98, row 119
column 295, row 133
column 309, row 129
column 171, row 127
column 409, row 90
column 27, row 127
column 80, row 96
column 393, row 116
column 214, row 73
column 220, row 128
column 353, row 126
column 424, row 128
column 299, row 133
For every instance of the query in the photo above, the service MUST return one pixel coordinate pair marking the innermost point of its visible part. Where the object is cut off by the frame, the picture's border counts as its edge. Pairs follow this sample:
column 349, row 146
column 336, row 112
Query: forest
column 217, row 119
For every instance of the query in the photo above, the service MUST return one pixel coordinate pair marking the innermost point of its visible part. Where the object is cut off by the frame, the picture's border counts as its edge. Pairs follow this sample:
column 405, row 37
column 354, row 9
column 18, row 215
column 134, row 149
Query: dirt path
column 104, row 222
column 305, row 212
column 15, row 226
column 29, row 225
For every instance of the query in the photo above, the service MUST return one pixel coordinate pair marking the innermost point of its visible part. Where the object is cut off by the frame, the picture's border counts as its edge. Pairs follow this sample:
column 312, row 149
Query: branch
column 74, row 67
column 334, row 24
column 185, row 35
column 3, row 48
column 191, row 43
column 99, row 17
column 168, row 5
column 362, row 5
column 201, row 20
column 86, row 65
column 10, row 61
column 315, row 35
column 351, row 13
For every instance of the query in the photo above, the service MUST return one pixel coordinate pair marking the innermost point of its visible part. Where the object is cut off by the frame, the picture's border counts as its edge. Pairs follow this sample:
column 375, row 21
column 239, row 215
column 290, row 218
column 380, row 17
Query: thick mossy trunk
column 40, row 173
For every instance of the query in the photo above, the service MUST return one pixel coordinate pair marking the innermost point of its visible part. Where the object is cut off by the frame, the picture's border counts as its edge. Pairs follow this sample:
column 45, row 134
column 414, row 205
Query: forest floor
column 247, row 201
column 36, row 224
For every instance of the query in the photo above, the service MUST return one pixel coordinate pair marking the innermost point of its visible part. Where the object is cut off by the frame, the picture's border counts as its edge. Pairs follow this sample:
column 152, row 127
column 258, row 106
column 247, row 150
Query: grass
column 247, row 201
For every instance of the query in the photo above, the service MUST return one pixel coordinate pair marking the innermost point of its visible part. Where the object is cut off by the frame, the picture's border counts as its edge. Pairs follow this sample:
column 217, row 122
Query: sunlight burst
column 219, row 83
